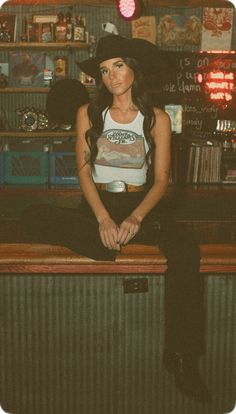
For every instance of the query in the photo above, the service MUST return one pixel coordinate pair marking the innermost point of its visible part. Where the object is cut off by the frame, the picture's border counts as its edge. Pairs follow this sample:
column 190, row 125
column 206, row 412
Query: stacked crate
column 26, row 162
column 1, row 163
column 63, row 169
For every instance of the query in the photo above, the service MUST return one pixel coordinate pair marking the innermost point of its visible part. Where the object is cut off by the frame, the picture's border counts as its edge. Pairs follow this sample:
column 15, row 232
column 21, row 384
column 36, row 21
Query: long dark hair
column 104, row 99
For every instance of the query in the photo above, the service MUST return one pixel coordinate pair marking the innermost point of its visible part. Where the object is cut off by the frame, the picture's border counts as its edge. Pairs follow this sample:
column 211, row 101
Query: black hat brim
column 116, row 46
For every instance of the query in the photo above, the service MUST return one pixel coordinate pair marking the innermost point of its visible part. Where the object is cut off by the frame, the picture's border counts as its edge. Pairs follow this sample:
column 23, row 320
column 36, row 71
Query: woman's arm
column 162, row 137
column 107, row 227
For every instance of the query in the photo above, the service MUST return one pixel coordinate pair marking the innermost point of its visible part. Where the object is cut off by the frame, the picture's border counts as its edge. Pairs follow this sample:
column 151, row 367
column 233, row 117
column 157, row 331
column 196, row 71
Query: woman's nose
column 111, row 74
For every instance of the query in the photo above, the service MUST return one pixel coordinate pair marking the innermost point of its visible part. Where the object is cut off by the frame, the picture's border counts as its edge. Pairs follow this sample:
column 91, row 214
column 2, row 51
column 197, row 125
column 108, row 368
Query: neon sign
column 220, row 86
column 129, row 9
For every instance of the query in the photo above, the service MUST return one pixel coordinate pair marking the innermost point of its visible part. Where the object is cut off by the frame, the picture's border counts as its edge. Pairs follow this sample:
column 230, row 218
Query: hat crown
column 112, row 46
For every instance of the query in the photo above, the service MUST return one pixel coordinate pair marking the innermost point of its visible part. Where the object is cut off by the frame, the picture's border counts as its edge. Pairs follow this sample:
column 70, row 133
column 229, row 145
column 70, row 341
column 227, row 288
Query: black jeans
column 184, row 286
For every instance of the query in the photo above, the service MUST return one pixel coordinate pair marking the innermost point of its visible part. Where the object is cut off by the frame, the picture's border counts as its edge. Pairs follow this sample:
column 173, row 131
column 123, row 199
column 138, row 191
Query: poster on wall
column 217, row 28
column 26, row 69
column 178, row 30
column 145, row 28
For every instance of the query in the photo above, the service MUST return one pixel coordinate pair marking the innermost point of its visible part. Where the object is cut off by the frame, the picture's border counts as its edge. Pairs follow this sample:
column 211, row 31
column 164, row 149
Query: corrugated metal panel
column 79, row 344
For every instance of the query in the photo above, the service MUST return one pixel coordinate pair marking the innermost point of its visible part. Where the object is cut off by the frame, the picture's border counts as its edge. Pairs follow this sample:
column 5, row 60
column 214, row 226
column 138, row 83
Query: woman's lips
column 115, row 85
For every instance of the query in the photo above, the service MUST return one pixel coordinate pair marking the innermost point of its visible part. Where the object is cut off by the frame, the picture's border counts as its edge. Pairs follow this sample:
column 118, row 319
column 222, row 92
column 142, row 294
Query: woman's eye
column 103, row 71
column 119, row 65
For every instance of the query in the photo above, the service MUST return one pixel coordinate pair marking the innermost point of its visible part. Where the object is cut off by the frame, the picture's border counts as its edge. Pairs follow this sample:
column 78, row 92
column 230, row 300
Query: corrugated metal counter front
column 80, row 344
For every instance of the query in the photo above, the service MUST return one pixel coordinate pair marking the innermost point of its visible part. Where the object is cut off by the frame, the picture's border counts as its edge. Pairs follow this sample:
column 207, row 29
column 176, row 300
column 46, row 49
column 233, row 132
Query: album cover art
column 178, row 30
column 217, row 28
column 26, row 69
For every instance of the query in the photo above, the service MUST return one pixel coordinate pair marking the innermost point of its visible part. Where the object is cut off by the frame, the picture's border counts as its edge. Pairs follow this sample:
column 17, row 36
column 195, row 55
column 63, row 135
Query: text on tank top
column 122, row 150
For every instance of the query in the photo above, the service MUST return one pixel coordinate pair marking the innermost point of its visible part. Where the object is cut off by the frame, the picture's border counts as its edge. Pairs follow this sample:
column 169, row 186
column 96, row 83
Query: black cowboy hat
column 113, row 46
column 64, row 99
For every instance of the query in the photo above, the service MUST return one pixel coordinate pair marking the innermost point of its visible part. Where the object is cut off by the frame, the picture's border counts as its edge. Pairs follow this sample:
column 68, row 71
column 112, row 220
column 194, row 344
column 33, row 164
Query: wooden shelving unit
column 24, row 90
column 36, row 90
column 37, row 134
column 38, row 45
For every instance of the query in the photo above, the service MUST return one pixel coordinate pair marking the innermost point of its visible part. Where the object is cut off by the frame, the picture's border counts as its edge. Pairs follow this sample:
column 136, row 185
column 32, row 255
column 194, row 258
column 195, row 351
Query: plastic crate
column 63, row 170
column 26, row 167
column 2, row 167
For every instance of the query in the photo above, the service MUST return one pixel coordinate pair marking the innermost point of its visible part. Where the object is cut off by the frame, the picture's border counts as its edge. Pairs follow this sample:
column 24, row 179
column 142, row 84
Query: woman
column 123, row 155
column 115, row 153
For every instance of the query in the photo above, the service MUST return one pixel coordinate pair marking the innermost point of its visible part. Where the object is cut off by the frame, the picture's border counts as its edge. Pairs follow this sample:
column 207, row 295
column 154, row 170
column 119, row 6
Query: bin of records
column 26, row 162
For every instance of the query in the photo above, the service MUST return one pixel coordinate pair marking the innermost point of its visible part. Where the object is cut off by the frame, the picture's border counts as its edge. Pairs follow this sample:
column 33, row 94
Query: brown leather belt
column 119, row 187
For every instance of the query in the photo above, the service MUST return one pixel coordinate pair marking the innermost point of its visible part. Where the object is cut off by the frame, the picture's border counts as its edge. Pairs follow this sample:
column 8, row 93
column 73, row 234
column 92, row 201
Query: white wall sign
column 233, row 2
column 232, row 412
column 1, row 3
column 2, row 411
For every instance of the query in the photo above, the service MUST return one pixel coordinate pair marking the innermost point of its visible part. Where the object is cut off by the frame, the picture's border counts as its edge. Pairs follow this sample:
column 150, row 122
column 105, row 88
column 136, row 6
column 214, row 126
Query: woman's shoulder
column 160, row 112
column 82, row 116
column 83, row 109
column 161, row 115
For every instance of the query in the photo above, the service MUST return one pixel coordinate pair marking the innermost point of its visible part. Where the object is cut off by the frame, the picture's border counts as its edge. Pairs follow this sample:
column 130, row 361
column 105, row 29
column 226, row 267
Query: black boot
column 187, row 376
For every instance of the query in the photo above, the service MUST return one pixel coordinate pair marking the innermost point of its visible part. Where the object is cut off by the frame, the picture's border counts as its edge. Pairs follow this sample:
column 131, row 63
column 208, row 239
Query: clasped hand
column 113, row 236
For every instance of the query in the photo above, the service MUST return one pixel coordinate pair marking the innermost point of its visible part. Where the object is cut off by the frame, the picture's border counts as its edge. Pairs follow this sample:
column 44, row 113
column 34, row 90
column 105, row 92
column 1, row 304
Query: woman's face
column 117, row 76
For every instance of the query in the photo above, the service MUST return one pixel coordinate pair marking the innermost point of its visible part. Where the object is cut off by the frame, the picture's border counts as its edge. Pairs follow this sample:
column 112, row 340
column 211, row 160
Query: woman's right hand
column 108, row 230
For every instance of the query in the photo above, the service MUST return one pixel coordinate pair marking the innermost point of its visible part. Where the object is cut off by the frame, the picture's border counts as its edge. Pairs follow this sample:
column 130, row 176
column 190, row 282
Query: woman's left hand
column 128, row 229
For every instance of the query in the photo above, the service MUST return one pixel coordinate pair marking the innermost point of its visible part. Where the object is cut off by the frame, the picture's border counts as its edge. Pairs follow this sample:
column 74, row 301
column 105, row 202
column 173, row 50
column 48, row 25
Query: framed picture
column 26, row 69
column 33, row 31
column 46, row 32
column 60, row 67
column 145, row 28
column 7, row 27
column 175, row 114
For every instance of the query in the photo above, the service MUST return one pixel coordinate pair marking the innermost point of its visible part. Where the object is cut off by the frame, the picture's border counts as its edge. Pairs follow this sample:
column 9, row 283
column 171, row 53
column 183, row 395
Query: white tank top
column 121, row 152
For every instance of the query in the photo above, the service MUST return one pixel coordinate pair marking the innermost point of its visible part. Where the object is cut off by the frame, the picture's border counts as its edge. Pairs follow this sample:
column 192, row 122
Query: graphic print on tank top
column 120, row 148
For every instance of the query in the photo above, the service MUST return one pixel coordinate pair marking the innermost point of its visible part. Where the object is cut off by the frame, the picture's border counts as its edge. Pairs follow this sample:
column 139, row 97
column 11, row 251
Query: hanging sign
column 217, row 28
column 220, row 86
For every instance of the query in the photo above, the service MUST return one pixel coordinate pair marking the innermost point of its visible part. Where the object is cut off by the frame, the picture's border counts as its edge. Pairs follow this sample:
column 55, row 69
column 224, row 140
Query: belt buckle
column 116, row 187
